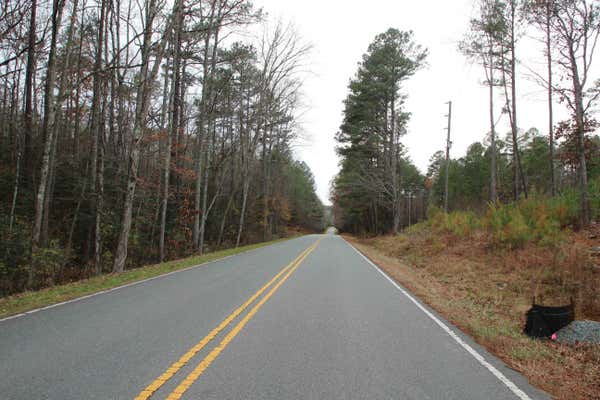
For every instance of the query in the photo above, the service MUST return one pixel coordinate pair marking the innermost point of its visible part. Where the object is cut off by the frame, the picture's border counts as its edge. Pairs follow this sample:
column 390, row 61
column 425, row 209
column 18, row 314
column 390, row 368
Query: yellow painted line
column 176, row 366
column 204, row 364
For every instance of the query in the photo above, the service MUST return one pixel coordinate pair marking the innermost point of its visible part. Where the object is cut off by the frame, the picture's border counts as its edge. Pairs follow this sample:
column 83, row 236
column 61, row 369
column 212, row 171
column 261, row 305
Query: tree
column 29, row 78
column 96, row 128
column 146, row 77
column 174, row 98
column 306, row 209
column 507, row 36
column 374, row 120
column 468, row 177
column 48, row 129
column 282, row 54
column 536, row 153
column 481, row 44
column 575, row 30
column 541, row 12
column 126, row 159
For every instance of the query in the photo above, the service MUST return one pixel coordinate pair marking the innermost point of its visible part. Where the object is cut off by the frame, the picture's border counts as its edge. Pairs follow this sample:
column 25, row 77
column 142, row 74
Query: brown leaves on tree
column 567, row 131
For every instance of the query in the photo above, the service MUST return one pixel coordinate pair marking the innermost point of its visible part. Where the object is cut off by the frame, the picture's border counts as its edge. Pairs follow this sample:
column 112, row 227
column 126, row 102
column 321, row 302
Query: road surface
column 309, row 318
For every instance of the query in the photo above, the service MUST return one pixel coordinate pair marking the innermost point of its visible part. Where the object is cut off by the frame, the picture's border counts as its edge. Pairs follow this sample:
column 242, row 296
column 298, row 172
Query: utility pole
column 409, row 207
column 448, row 144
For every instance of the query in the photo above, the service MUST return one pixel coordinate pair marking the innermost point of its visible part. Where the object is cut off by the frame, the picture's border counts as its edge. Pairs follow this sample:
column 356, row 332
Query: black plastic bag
column 543, row 321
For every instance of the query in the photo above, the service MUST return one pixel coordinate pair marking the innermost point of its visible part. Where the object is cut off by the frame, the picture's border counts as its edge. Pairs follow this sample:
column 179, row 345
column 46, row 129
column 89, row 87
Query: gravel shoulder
column 580, row 332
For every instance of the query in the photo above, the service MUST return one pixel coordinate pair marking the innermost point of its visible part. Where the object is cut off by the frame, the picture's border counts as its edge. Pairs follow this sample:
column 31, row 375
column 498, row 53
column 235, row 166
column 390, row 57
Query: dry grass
column 485, row 291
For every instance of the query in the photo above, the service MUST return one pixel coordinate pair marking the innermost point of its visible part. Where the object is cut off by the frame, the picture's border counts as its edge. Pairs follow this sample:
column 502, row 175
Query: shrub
column 537, row 219
column 458, row 223
column 48, row 263
column 436, row 218
column 543, row 221
column 508, row 226
column 462, row 223
column 564, row 208
column 15, row 247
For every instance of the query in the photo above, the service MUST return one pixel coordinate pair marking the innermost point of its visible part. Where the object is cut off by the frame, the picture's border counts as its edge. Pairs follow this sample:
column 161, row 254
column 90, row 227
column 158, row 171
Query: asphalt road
column 329, row 326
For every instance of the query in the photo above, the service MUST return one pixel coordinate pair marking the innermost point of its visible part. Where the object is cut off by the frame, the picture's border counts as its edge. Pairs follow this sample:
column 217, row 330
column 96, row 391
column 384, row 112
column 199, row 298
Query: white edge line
column 501, row 377
column 87, row 296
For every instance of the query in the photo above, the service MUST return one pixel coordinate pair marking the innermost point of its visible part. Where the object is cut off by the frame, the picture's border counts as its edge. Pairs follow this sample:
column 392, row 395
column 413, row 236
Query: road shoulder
column 542, row 363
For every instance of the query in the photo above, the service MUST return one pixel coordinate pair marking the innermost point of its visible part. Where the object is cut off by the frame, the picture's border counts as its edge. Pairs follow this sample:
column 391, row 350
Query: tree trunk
column 78, row 93
column 96, row 130
column 580, row 122
column 394, row 163
column 245, row 166
column 511, row 106
column 243, row 210
column 210, row 143
column 49, row 118
column 205, row 195
column 550, row 111
column 165, row 197
column 224, row 219
column 28, row 107
column 493, row 185
column 76, row 213
column 15, row 189
column 174, row 120
column 519, row 175
column 49, row 192
column 142, row 105
column 198, row 192
column 58, row 122
column 265, row 186
column 121, row 253
column 201, row 134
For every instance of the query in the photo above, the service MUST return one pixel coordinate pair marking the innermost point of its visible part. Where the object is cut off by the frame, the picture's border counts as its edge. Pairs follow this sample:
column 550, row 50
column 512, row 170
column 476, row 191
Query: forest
column 379, row 190
column 137, row 132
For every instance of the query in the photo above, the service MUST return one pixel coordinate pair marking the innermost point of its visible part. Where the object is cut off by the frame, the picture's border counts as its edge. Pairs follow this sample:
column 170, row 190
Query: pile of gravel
column 579, row 332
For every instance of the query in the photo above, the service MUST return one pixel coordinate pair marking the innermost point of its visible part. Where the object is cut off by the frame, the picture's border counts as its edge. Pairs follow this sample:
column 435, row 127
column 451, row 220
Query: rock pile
column 579, row 332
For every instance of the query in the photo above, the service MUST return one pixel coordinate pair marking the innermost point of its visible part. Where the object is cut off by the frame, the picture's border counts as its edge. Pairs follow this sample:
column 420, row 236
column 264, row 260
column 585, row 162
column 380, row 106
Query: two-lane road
column 308, row 318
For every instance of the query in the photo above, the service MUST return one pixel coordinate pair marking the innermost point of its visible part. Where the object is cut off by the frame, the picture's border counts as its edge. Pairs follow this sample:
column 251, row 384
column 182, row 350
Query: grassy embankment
column 481, row 273
column 31, row 300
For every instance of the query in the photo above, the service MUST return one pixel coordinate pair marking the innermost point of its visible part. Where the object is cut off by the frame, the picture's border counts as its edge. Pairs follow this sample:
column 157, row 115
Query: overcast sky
column 341, row 31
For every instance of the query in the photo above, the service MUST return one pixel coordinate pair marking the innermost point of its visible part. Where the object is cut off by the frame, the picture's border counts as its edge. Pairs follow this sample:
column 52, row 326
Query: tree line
column 469, row 175
column 135, row 132
column 377, row 183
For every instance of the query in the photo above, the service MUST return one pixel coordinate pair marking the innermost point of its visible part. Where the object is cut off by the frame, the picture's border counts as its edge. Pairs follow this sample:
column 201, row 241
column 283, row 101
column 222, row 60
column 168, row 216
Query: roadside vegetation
column 29, row 300
column 138, row 132
column 481, row 272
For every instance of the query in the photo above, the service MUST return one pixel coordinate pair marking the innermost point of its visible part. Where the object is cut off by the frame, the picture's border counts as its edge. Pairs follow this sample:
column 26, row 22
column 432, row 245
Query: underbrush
column 537, row 219
column 58, row 263
column 530, row 242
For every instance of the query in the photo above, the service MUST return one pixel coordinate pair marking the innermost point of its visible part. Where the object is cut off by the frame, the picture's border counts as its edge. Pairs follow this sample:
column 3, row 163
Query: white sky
column 341, row 32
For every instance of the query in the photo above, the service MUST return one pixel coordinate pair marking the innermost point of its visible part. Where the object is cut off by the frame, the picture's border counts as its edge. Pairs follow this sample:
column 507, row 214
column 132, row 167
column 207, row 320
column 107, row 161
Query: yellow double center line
column 203, row 365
